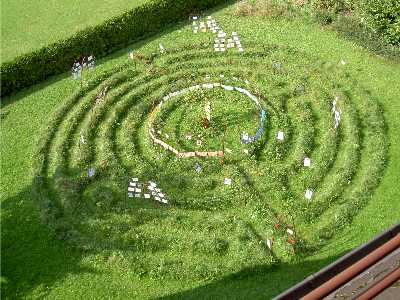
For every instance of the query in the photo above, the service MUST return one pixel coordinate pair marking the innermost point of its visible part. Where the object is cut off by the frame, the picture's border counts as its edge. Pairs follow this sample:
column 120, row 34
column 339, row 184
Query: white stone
column 308, row 194
column 153, row 184
column 161, row 195
column 269, row 244
column 227, row 181
column 138, row 190
column 137, row 195
column 157, row 198
column 195, row 18
column 151, row 188
column 307, row 162
column 131, row 189
column 82, row 139
column 91, row 172
column 147, row 196
column 165, row 201
column 130, row 195
column 199, row 142
column 135, row 179
column 290, row 231
column 132, row 183
column 158, row 190
column 280, row 136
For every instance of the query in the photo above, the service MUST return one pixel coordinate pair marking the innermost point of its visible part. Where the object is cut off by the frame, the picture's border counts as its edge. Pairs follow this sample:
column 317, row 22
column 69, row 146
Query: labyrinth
column 128, row 164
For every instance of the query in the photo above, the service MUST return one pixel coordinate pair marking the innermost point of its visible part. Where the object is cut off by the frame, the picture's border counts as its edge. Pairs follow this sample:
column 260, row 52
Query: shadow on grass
column 31, row 257
column 262, row 282
column 34, row 260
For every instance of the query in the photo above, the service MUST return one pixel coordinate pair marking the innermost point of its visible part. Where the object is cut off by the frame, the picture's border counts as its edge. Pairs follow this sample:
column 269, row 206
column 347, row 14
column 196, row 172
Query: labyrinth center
column 261, row 214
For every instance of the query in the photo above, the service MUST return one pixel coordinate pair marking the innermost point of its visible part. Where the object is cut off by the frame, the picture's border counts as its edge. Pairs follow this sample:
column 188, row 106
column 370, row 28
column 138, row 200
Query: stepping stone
column 150, row 188
column 290, row 231
column 138, row 190
column 132, row 184
column 137, row 195
column 82, row 140
column 161, row 195
column 227, row 181
column 157, row 198
column 307, row 162
column 308, row 194
column 197, row 168
column 147, row 196
column 165, row 201
column 130, row 195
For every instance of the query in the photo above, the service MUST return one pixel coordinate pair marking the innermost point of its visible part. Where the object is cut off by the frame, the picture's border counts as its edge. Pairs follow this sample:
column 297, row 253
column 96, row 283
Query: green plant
column 383, row 16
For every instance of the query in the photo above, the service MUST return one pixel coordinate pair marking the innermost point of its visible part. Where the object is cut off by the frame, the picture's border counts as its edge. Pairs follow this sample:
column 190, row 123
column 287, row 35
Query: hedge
column 100, row 40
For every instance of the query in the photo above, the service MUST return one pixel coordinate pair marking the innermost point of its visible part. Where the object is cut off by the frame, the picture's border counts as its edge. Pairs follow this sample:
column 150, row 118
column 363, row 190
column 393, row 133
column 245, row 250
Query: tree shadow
column 261, row 282
column 32, row 257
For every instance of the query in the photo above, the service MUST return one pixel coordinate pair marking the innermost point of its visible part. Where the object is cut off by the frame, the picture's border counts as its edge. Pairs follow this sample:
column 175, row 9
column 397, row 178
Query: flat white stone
column 280, row 136
column 132, row 183
column 147, row 196
column 157, row 198
column 91, row 172
column 135, row 179
column 131, row 189
column 223, row 49
column 227, row 181
column 130, row 195
column 153, row 184
column 138, row 190
column 269, row 244
column 151, row 188
column 165, row 201
column 241, row 50
column 308, row 194
column 161, row 195
column 216, row 49
column 154, row 193
column 222, row 75
column 158, row 190
column 227, row 87
column 195, row 18
column 246, row 151
column 137, row 195
column 307, row 162
column 290, row 231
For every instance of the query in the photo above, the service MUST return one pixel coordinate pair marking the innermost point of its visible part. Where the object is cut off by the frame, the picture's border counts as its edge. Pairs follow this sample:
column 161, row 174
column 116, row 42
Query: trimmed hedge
column 99, row 40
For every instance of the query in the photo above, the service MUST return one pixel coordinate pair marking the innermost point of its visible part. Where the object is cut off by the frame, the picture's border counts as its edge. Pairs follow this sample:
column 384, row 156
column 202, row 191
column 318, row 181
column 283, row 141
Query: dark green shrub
column 383, row 16
column 100, row 40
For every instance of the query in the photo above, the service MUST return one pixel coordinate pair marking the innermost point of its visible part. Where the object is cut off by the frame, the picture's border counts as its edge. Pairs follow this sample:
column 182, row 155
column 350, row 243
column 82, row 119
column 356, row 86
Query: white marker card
column 227, row 181
column 161, row 195
column 153, row 184
column 309, row 194
column 307, row 162
column 158, row 190
column 165, row 201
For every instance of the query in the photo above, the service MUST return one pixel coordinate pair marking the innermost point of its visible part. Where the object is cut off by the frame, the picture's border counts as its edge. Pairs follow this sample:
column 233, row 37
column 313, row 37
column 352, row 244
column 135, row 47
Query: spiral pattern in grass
column 208, row 228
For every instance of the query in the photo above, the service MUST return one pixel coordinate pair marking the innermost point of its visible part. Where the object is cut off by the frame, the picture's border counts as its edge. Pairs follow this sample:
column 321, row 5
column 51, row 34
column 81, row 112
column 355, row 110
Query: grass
column 98, row 248
column 30, row 25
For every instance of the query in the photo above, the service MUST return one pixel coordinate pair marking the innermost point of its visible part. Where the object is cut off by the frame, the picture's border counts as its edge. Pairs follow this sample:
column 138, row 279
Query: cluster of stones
column 222, row 42
column 149, row 189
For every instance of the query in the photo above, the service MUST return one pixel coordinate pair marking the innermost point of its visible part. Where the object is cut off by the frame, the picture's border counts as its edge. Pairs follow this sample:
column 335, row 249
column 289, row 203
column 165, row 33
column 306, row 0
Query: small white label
column 307, row 162
column 281, row 136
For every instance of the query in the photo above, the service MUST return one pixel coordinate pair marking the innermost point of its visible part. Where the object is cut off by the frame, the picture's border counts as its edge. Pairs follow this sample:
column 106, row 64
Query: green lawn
column 29, row 25
column 93, row 249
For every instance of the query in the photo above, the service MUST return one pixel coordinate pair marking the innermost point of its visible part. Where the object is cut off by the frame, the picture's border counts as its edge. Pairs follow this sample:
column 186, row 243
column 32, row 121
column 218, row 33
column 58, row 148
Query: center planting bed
column 209, row 229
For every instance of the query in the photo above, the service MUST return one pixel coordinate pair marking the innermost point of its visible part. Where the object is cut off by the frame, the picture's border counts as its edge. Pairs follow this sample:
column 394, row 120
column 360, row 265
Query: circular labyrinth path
column 223, row 214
